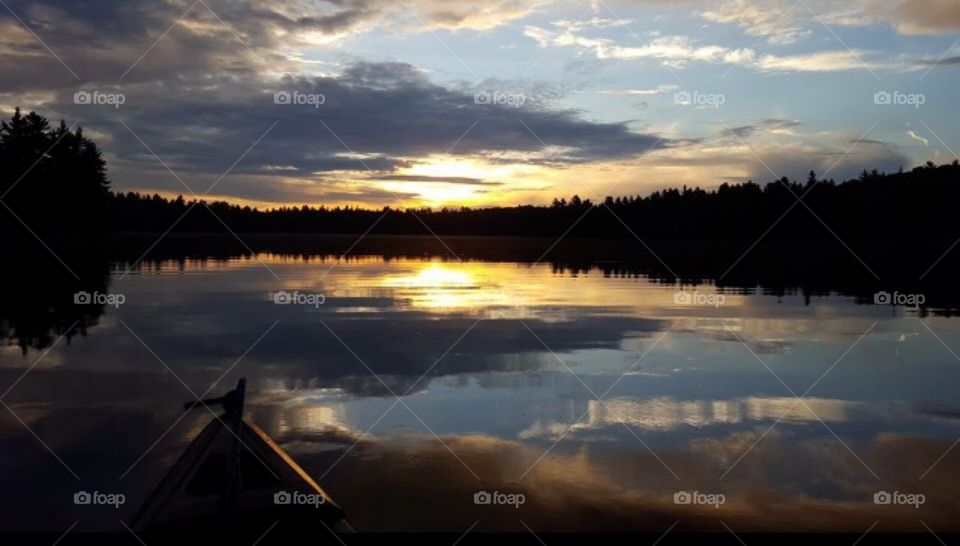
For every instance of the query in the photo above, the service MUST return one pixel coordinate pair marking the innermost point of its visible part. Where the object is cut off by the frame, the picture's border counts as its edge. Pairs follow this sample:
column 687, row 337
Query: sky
column 436, row 103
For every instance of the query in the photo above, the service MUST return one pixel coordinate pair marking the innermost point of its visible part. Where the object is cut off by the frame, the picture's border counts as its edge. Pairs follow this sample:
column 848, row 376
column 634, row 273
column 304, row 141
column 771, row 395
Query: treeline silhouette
column 51, row 178
column 54, row 179
column 919, row 204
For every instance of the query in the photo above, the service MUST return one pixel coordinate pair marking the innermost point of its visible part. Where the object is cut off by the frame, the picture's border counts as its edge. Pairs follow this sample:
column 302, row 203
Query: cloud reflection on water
column 500, row 399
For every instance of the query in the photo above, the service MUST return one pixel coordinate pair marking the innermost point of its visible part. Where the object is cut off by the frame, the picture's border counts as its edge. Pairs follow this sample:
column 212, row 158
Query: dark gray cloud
column 946, row 61
column 769, row 124
column 101, row 40
column 373, row 117
column 741, row 131
column 780, row 123
column 205, row 92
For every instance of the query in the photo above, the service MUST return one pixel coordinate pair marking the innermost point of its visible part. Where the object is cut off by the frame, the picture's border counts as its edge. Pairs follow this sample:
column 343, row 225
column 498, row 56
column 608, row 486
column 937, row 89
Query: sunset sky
column 429, row 102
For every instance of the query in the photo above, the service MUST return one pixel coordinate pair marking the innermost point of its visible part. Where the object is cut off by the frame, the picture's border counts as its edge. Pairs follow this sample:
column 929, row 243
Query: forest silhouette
column 54, row 179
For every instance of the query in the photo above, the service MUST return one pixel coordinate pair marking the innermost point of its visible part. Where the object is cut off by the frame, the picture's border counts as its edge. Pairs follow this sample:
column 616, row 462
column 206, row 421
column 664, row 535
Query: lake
column 417, row 389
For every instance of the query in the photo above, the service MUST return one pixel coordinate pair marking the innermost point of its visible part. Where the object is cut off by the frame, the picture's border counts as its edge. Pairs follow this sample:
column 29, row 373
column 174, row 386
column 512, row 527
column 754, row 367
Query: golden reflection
column 434, row 275
column 314, row 418
column 367, row 285
column 512, row 291
column 438, row 287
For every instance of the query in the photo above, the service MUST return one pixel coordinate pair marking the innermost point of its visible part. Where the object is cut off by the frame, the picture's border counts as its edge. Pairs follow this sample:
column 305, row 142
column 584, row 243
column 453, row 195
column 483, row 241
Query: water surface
column 417, row 383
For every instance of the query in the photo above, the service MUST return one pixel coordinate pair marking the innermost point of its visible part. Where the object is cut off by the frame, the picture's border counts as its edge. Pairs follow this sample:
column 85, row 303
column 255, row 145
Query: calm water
column 598, row 399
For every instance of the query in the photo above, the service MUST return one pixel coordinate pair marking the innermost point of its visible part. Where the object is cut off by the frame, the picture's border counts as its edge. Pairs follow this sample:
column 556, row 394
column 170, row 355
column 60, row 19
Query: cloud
column 765, row 151
column 913, row 134
column 459, row 16
column 659, row 90
column 376, row 116
column 677, row 51
column 622, row 486
column 785, row 21
column 950, row 57
column 674, row 51
column 917, row 16
column 664, row 413
column 821, row 61
column 777, row 124
column 772, row 125
column 596, row 22
column 779, row 23
column 101, row 40
column 203, row 94
column 946, row 61
column 741, row 131
column 828, row 159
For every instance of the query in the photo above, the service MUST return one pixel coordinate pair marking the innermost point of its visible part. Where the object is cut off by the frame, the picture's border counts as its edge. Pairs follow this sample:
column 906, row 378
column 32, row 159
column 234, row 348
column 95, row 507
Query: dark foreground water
column 408, row 387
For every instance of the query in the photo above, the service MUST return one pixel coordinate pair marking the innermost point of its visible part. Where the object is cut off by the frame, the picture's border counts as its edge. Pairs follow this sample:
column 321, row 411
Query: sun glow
column 439, row 180
column 454, row 167
column 435, row 194
column 433, row 276
column 439, row 286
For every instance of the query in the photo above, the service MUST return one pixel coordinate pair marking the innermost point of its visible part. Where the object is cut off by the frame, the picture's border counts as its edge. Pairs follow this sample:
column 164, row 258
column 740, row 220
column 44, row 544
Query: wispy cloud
column 788, row 21
column 677, row 51
column 778, row 21
column 821, row 61
column 659, row 90
column 913, row 134
column 673, row 51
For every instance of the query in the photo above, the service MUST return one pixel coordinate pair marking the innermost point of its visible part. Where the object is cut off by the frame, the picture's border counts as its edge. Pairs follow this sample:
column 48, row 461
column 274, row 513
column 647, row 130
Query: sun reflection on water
column 444, row 287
